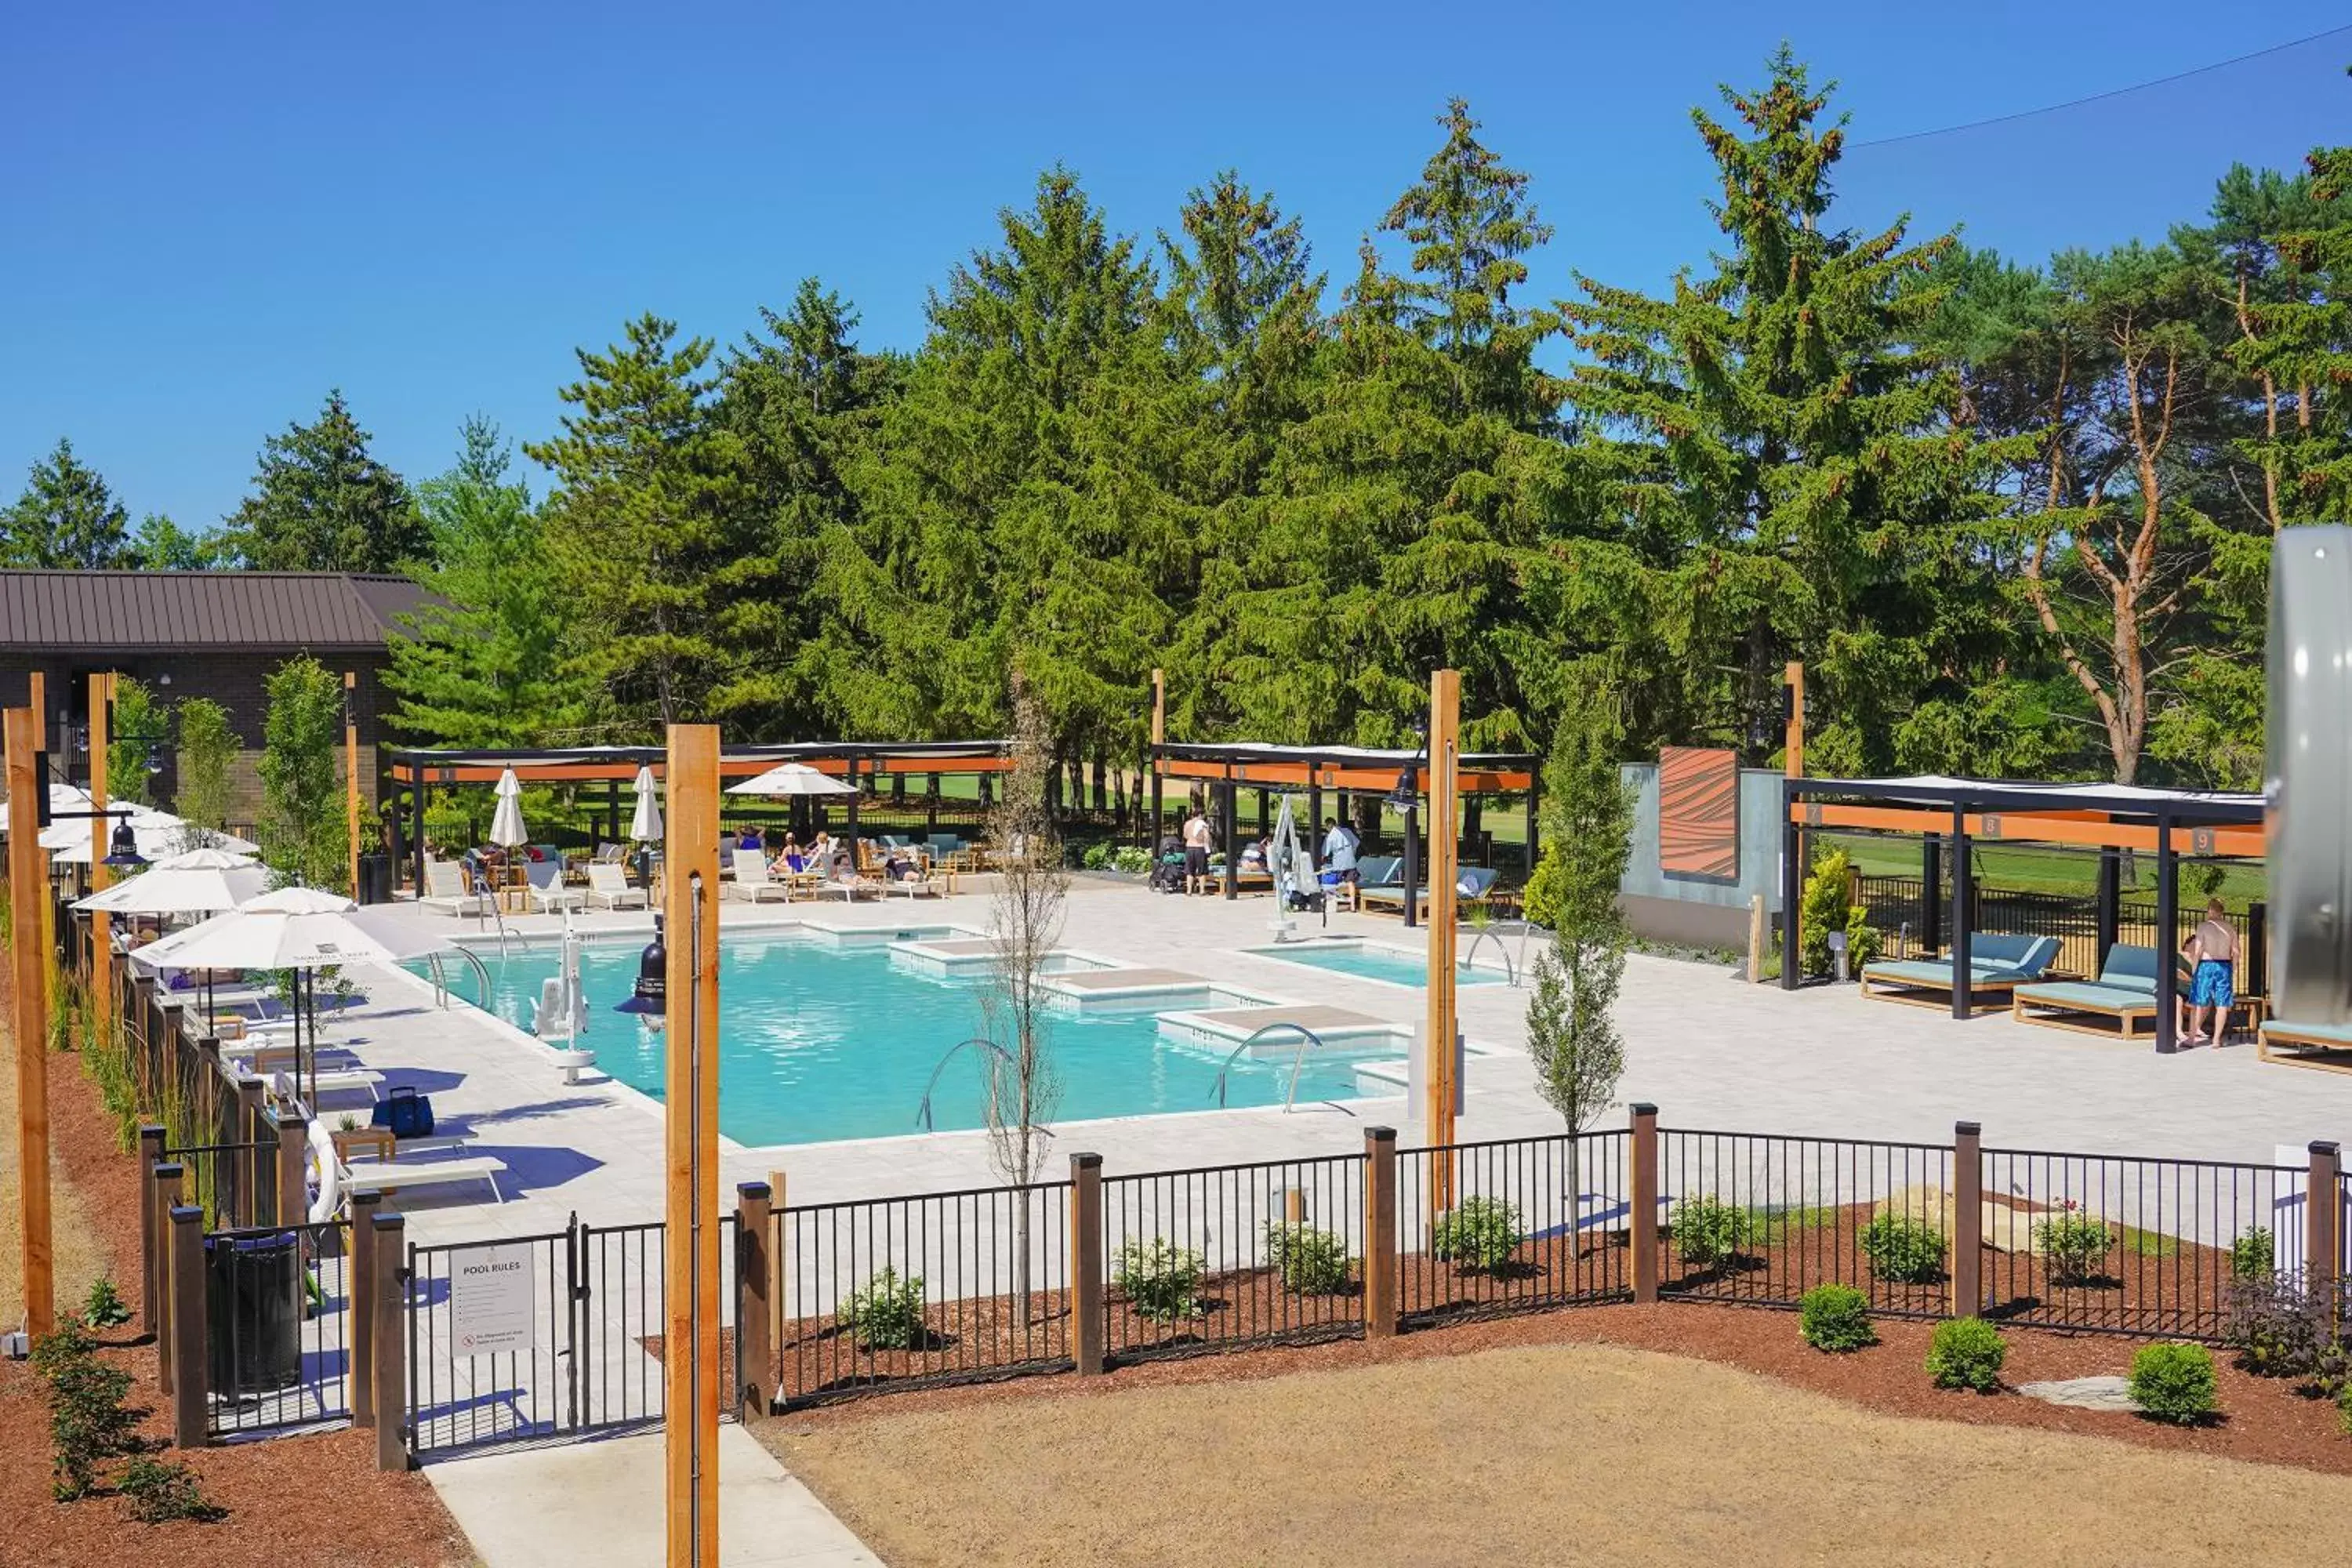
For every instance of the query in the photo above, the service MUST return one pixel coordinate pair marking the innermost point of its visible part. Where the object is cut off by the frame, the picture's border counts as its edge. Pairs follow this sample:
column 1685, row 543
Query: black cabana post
column 2167, row 937
column 1411, row 865
column 1964, row 900
column 1931, row 892
column 1227, row 809
column 2108, row 921
column 416, row 821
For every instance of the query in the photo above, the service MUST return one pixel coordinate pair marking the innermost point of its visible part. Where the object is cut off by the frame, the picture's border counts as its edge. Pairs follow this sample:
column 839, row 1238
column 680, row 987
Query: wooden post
column 151, row 1228
column 188, row 1363
column 391, row 1344
column 366, row 1293
column 351, row 773
column 161, row 1194
column 1294, row 1206
column 1792, row 741
column 1085, row 1246
column 1445, row 913
column 777, row 1260
column 1759, row 937
column 1380, row 1233
column 2323, row 1248
column 1968, row 1220
column 1642, row 1216
column 247, row 1162
column 690, row 1371
column 29, row 906
column 293, row 1162
column 103, row 999
column 755, row 1307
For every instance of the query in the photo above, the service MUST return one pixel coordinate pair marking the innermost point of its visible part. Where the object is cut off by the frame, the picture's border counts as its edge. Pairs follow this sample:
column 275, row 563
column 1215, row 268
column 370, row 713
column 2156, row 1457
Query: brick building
column 219, row 635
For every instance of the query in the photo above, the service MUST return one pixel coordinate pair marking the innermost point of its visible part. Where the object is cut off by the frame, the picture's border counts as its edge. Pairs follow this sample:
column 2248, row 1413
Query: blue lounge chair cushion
column 2332, row 1034
column 2096, row 996
column 1992, row 955
column 2130, row 968
column 1380, row 871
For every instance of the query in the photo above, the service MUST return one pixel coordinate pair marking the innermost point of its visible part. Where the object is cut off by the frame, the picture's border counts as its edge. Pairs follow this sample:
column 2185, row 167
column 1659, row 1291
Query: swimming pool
column 822, row 1039
column 1368, row 961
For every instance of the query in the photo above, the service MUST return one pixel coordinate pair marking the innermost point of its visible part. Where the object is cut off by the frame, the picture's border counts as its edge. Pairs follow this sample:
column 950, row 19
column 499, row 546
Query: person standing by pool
column 1196, row 851
column 2213, row 948
column 1338, row 852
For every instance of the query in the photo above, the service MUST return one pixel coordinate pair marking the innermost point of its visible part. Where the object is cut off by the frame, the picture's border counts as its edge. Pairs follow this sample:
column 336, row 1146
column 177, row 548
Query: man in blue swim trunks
column 2214, row 949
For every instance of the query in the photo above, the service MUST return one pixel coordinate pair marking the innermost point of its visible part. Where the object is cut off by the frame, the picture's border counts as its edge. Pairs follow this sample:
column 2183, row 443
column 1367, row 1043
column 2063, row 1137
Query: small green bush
column 2277, row 1330
column 1161, row 1279
column 887, row 1315
column 161, row 1492
column 1481, row 1233
column 1131, row 858
column 105, row 1308
column 1906, row 1251
column 1967, row 1352
column 1709, row 1232
column 1835, row 1318
column 1546, row 888
column 88, row 1421
column 1096, row 857
column 2344, row 1409
column 2252, row 1253
column 2175, row 1383
column 2074, row 1246
column 1311, row 1262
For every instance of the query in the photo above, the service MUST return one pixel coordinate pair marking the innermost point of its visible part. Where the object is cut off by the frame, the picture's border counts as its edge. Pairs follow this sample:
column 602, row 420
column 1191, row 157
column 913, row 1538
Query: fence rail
column 1896, row 904
column 1512, row 1227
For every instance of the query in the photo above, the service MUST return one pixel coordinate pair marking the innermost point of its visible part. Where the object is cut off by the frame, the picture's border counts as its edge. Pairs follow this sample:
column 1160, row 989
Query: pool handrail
column 1298, row 1061
column 923, row 1111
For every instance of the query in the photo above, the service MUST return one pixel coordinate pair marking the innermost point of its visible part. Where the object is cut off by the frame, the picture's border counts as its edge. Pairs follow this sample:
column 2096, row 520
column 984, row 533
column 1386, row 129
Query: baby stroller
column 1168, row 867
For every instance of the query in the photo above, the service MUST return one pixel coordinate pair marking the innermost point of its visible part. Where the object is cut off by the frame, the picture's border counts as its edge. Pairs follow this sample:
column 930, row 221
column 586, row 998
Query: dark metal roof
column 44, row 611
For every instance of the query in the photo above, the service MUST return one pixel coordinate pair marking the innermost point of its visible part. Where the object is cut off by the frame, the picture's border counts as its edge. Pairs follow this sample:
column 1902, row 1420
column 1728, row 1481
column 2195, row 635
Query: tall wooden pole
column 691, row 1375
column 27, row 893
column 1793, row 745
column 352, row 772
column 1444, row 783
column 102, row 943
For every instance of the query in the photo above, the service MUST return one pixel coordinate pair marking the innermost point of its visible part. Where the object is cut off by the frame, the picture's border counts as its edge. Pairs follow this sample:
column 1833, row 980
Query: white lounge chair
column 292, row 1084
column 445, row 889
column 547, row 889
column 752, row 879
column 608, row 886
column 391, row 1175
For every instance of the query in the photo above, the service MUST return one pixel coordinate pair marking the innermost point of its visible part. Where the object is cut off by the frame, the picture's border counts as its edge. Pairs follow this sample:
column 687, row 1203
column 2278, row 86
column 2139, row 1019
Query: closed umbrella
column 507, row 828
column 645, row 818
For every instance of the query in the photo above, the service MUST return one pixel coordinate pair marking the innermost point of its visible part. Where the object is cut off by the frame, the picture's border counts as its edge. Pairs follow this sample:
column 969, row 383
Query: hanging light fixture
column 1407, row 793
column 122, row 844
column 154, row 759
column 649, row 996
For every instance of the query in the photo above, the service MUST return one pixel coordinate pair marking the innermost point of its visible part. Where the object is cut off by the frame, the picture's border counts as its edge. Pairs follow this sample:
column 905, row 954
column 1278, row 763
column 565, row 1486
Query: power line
column 2098, row 97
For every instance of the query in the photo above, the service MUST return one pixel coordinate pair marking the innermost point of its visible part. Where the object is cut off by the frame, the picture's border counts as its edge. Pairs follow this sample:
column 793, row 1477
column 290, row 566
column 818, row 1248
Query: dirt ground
column 77, row 1257
column 1558, row 1453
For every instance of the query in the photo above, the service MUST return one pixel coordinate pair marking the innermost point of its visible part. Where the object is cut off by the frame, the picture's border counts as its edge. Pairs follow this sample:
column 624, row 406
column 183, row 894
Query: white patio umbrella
column 158, row 834
column 192, row 882
column 646, row 819
column 507, row 828
column 62, row 798
column 792, row 778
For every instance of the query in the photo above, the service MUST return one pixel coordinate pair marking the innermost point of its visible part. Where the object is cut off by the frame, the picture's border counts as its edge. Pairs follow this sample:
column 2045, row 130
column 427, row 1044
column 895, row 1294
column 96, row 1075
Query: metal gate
column 537, row 1338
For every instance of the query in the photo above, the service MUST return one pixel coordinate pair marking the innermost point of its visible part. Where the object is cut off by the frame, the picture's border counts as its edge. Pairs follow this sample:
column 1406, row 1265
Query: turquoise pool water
column 1369, row 962
column 819, row 1041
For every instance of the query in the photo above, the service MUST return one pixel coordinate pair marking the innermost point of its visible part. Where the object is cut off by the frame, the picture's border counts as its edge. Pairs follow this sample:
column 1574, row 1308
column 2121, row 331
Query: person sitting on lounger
column 2212, row 947
column 1253, row 856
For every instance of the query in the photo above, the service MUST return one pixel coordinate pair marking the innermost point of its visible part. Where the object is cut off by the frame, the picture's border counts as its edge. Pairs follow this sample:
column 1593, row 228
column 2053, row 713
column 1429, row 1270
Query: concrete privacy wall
column 1705, row 910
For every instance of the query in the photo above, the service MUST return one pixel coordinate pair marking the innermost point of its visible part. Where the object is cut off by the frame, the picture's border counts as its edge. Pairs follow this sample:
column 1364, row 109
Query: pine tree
column 321, row 502
column 645, row 537
column 2307, row 344
column 68, row 517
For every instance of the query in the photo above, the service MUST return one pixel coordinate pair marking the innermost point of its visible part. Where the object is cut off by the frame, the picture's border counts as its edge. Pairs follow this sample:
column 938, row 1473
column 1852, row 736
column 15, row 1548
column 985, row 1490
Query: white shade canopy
column 62, row 798
column 292, row 928
column 792, row 778
column 644, row 821
column 195, row 882
column 159, row 833
column 506, row 824
column 76, row 830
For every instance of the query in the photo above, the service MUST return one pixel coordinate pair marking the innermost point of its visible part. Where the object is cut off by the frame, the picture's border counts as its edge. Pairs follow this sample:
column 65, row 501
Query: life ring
column 325, row 1175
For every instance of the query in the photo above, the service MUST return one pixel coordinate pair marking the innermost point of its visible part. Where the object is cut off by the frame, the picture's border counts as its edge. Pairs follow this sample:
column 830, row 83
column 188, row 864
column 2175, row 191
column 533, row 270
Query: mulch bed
column 296, row 1502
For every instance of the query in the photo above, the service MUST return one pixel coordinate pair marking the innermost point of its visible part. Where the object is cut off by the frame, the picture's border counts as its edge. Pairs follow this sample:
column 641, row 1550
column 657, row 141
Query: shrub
column 88, row 1422
column 1967, row 1352
column 1825, row 907
column 1547, row 888
column 1481, row 1233
column 1907, row 1252
column 2275, row 1327
column 2344, row 1409
column 2175, row 1383
column 1096, row 857
column 2252, row 1255
column 1835, row 1318
column 2073, row 1245
column 1161, row 1279
column 1709, row 1232
column 887, row 1315
column 1311, row 1262
column 104, row 1307
column 161, row 1492
column 1131, row 858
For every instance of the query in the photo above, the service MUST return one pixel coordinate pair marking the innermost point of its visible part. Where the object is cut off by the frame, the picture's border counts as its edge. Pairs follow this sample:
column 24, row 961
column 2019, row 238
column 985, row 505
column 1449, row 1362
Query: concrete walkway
column 586, row 1504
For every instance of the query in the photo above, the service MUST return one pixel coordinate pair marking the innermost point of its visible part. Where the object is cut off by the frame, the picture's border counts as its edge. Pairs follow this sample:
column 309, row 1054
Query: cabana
column 1951, row 814
column 1399, row 777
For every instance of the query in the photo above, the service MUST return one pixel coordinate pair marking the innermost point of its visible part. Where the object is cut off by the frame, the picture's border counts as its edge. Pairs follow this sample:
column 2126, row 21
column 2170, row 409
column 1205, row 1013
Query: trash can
column 253, row 1314
column 375, row 877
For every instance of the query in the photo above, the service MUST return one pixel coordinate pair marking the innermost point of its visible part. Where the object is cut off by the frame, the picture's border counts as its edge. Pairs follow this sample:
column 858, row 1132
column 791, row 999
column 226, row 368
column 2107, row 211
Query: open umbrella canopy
column 644, row 821
column 76, row 830
column 193, row 882
column 506, row 824
column 792, row 778
column 159, row 833
column 62, row 798
column 292, row 928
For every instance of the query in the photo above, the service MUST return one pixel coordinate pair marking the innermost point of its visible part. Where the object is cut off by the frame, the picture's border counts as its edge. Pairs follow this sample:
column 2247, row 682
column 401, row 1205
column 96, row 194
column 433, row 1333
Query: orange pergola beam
column 2088, row 828
column 1468, row 781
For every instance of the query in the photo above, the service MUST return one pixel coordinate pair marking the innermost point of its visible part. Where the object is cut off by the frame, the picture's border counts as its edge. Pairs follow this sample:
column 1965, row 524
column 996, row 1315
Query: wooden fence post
column 190, row 1426
column 2323, row 1205
column 1294, row 1206
column 246, row 1162
column 1968, row 1221
column 151, row 1229
column 391, row 1343
column 1380, row 1233
column 777, row 1206
column 1087, row 1307
column 293, row 1166
column 160, row 1194
column 1642, row 1218
column 367, row 1299
column 755, row 1307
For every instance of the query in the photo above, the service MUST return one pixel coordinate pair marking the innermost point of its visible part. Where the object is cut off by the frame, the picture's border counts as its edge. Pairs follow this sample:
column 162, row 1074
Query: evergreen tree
column 646, row 539
column 321, row 502
column 2304, row 340
column 68, row 517
column 161, row 545
column 304, row 829
column 480, row 665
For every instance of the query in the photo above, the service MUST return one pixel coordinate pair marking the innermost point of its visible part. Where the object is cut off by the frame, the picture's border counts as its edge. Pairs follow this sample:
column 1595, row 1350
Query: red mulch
column 298, row 1501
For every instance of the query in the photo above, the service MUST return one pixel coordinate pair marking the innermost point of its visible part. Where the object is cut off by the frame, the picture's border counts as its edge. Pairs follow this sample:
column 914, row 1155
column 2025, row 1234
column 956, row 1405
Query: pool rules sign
column 490, row 1300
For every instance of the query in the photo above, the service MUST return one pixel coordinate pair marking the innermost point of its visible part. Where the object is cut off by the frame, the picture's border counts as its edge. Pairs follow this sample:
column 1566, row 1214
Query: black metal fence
column 234, row 1183
column 278, row 1315
column 1513, row 1226
column 1896, row 907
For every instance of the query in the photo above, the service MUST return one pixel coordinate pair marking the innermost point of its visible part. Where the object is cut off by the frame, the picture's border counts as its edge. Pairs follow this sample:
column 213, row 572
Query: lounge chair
column 1998, row 964
column 290, row 1085
column 2124, row 992
column 445, row 889
column 391, row 1176
column 1472, row 884
column 2327, row 1046
column 851, row 885
column 925, row 880
column 608, row 885
column 752, row 879
column 547, row 889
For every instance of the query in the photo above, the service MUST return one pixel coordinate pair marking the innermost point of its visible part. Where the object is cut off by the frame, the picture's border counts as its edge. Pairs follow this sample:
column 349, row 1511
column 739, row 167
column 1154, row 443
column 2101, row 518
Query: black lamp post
column 1406, row 798
column 649, row 997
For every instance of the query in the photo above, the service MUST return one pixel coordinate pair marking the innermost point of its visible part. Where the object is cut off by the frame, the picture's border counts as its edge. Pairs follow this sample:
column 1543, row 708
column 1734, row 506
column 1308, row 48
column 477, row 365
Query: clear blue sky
column 215, row 213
